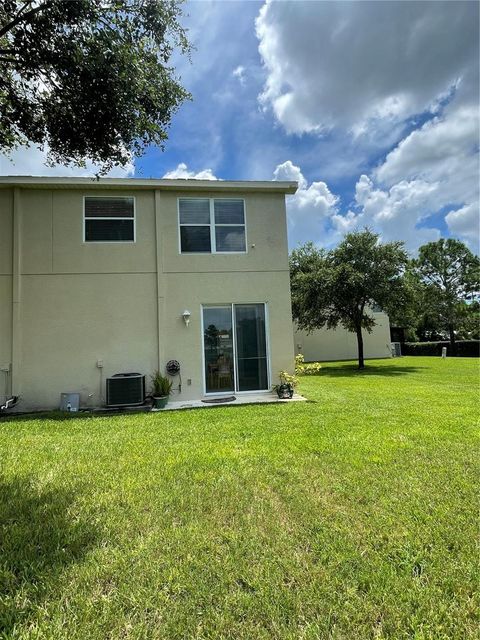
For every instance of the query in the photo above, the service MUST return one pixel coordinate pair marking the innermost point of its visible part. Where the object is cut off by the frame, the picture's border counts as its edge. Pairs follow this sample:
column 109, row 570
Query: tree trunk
column 361, row 362
column 453, row 346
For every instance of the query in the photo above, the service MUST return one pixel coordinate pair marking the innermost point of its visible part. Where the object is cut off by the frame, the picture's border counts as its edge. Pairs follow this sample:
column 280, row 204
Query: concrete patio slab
column 248, row 398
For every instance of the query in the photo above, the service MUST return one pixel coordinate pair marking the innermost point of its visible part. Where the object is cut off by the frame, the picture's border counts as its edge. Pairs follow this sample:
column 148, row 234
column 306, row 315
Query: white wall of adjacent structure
column 339, row 344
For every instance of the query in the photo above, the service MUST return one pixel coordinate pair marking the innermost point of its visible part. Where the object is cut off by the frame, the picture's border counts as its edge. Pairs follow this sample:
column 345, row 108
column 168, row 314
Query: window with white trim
column 212, row 225
column 109, row 219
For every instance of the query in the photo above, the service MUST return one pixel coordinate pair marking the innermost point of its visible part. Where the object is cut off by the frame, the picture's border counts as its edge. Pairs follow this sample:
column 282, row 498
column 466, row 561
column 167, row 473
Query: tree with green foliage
column 469, row 327
column 89, row 79
column 449, row 273
column 342, row 285
column 411, row 316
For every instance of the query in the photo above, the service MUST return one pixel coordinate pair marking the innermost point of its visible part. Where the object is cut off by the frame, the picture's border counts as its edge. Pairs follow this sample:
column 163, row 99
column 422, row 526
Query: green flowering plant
column 302, row 369
column 286, row 379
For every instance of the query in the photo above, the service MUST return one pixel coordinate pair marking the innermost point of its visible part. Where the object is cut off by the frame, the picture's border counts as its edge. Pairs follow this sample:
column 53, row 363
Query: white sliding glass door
column 251, row 347
column 235, row 348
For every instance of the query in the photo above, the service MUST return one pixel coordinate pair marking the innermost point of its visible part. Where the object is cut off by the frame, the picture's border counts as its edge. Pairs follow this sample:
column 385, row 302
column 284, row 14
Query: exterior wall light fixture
column 186, row 317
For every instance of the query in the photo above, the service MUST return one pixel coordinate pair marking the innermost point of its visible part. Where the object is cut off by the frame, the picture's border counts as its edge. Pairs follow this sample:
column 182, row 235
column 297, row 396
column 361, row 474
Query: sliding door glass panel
column 251, row 347
column 218, row 349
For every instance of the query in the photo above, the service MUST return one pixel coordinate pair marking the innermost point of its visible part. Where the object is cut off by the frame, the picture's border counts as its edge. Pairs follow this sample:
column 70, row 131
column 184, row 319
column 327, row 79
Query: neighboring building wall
column 339, row 344
column 122, row 303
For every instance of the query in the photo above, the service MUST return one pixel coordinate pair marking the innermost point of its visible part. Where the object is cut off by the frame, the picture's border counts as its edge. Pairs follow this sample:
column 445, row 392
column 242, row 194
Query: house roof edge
column 49, row 182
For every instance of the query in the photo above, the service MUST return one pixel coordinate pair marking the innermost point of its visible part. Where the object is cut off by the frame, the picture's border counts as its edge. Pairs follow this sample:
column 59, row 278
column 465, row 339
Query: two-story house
column 99, row 277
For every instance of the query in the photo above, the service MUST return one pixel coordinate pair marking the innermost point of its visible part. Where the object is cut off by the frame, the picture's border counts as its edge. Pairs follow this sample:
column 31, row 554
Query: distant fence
column 465, row 348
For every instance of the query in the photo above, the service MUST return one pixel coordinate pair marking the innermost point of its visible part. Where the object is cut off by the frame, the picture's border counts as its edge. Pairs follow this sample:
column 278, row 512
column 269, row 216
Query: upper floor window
column 212, row 225
column 109, row 219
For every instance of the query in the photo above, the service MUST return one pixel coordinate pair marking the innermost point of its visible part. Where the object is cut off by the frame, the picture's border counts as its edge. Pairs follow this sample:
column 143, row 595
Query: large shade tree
column 450, row 275
column 342, row 285
column 89, row 79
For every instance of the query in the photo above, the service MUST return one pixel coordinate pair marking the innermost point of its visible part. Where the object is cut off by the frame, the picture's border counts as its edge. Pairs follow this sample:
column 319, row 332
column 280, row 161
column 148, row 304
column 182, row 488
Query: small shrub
column 288, row 378
column 299, row 363
column 309, row 369
column 161, row 385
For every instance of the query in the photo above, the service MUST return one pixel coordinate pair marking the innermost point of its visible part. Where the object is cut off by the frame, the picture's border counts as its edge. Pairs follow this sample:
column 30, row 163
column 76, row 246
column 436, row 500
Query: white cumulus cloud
column 394, row 213
column 354, row 64
column 465, row 223
column 239, row 73
column 183, row 172
column 310, row 207
column 31, row 161
column 443, row 151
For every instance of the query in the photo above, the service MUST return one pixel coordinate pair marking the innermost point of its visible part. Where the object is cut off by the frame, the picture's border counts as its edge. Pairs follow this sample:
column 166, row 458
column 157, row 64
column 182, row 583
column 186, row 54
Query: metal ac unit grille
column 125, row 389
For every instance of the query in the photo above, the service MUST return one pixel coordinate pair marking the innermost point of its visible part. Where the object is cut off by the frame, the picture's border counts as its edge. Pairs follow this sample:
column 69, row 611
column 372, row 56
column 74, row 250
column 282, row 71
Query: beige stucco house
column 123, row 275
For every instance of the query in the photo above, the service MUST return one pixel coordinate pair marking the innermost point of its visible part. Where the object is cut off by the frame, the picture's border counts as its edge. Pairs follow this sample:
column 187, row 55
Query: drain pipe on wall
column 16, row 346
column 6, row 372
column 9, row 401
column 160, row 283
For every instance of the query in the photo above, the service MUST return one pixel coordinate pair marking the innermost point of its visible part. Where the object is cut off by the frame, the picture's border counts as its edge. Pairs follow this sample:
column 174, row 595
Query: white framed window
column 108, row 219
column 212, row 225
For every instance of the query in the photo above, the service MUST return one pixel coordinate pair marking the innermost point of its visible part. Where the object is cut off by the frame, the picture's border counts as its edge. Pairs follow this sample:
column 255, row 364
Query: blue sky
column 371, row 106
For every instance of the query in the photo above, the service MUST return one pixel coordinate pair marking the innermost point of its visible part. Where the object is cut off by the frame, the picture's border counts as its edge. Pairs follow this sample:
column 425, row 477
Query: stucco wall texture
column 66, row 304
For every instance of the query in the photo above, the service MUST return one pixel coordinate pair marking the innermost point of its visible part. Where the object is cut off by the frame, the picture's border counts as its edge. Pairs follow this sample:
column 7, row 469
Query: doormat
column 219, row 400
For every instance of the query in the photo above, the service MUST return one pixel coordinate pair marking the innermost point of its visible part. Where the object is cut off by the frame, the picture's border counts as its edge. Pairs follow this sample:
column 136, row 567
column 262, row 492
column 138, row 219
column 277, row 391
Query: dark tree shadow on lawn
column 39, row 539
column 64, row 416
column 351, row 370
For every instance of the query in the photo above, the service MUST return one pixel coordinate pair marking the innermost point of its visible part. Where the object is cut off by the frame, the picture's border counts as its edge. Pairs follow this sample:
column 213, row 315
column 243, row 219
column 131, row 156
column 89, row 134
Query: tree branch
column 23, row 17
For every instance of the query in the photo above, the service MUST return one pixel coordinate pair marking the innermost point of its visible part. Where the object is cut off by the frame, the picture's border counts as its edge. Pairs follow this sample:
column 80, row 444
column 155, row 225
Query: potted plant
column 161, row 387
column 287, row 385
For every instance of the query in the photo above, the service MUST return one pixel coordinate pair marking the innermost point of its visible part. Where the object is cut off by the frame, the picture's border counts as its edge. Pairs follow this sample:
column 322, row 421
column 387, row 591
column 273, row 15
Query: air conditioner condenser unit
column 125, row 389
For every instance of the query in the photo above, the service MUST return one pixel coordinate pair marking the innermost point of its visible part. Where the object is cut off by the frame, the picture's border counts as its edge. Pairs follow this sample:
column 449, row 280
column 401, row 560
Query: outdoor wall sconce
column 186, row 317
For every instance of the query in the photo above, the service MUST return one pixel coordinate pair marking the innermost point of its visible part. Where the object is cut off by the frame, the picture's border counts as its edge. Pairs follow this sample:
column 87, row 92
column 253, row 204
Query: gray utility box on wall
column 69, row 401
column 125, row 389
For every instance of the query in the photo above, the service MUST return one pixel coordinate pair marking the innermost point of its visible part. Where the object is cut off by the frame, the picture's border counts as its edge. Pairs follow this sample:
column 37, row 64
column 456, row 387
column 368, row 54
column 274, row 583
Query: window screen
column 109, row 219
column 194, row 211
column 195, row 236
column 229, row 212
column 212, row 225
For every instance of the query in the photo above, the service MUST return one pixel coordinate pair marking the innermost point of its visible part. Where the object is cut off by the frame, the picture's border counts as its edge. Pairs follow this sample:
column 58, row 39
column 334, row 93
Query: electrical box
column 69, row 401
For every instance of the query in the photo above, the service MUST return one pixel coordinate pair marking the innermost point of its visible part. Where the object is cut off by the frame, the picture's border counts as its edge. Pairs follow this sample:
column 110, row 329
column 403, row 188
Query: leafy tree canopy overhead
column 342, row 285
column 89, row 78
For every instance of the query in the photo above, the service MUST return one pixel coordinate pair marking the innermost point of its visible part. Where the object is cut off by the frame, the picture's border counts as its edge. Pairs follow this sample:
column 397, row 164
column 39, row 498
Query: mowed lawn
column 354, row 515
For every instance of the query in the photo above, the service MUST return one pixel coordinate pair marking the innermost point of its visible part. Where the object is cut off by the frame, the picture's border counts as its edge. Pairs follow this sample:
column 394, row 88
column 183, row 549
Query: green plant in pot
column 161, row 388
column 287, row 385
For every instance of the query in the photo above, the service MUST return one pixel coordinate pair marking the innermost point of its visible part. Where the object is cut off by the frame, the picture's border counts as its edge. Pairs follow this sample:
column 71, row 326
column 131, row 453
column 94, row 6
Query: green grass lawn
column 351, row 516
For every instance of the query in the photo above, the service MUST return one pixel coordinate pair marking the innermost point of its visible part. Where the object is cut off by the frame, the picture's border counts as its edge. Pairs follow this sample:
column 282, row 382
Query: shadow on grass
column 351, row 370
column 38, row 540
column 65, row 416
